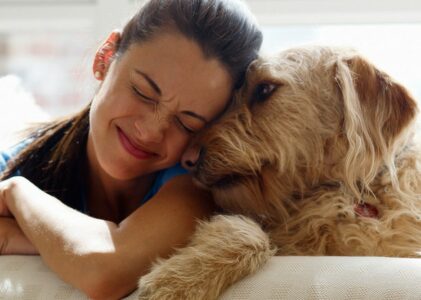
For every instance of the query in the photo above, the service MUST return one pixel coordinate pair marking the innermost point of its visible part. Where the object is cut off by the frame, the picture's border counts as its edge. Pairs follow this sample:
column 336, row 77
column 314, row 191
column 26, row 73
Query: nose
column 191, row 157
column 149, row 131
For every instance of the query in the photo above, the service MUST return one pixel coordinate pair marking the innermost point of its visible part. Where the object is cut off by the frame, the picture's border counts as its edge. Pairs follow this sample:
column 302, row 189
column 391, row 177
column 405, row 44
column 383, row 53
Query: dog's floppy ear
column 376, row 111
column 385, row 103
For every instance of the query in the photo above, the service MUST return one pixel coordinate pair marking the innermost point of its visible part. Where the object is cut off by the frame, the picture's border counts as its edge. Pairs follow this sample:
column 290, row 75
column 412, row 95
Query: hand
column 5, row 187
column 13, row 240
column 16, row 187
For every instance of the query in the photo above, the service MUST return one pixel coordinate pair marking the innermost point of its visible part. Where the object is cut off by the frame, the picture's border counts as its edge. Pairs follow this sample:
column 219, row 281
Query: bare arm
column 13, row 240
column 101, row 258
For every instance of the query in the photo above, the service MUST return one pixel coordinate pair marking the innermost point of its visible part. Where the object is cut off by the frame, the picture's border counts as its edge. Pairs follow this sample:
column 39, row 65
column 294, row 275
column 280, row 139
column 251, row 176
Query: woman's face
column 153, row 99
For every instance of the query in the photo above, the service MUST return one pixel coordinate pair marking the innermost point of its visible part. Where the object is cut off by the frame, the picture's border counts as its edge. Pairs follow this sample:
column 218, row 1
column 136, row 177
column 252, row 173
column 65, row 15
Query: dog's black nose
column 192, row 157
column 190, row 164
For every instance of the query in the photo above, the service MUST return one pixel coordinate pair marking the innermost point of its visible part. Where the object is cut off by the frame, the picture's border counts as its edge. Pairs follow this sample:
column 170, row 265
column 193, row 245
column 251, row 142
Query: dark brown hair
column 224, row 29
column 56, row 158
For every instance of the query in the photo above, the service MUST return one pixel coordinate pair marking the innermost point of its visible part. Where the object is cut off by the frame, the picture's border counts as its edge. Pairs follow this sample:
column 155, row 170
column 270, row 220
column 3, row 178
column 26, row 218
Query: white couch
column 289, row 277
column 27, row 277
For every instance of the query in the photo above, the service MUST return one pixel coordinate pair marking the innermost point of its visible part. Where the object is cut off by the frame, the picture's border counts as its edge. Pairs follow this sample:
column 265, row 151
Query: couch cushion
column 28, row 278
column 288, row 277
column 297, row 277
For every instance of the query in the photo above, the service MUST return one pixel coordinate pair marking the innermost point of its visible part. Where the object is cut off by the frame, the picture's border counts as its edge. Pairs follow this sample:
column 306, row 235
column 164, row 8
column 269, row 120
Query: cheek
column 176, row 144
column 96, row 118
column 99, row 119
column 115, row 107
column 102, row 107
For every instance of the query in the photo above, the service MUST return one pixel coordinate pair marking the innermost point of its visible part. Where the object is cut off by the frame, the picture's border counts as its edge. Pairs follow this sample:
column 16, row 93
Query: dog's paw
column 148, row 290
column 162, row 285
column 221, row 252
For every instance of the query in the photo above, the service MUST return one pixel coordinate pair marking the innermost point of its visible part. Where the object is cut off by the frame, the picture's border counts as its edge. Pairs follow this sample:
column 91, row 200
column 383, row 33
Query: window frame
column 307, row 12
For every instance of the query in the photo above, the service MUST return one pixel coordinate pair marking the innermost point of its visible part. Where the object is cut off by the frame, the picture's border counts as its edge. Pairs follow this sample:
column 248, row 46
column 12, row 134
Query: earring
column 98, row 75
column 104, row 55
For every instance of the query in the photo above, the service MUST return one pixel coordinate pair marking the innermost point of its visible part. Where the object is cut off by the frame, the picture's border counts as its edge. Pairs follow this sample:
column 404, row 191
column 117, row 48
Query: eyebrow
column 158, row 90
column 150, row 81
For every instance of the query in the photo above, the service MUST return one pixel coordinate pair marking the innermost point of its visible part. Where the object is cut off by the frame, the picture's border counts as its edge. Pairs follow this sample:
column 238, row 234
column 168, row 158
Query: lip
column 132, row 149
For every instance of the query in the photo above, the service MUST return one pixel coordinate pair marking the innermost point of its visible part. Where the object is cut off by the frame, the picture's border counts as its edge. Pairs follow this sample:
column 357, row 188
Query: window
column 394, row 48
column 50, row 43
column 385, row 31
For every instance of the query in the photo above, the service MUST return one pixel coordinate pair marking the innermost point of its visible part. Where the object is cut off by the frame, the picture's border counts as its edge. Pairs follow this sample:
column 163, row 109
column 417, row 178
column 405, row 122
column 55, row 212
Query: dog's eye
column 263, row 91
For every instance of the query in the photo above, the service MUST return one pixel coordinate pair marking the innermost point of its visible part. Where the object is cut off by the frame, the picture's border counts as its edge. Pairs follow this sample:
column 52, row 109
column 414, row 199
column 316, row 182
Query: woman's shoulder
column 171, row 172
column 162, row 177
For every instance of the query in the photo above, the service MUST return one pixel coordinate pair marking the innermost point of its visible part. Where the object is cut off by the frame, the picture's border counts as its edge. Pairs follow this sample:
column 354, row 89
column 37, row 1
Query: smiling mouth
column 133, row 149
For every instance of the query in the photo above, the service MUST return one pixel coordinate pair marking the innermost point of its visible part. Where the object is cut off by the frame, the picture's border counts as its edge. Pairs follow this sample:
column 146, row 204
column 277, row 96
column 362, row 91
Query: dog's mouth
column 226, row 181
column 221, row 182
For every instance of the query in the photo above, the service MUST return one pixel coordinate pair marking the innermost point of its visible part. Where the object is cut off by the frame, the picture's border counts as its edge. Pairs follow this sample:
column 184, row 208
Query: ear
column 385, row 103
column 376, row 112
column 104, row 55
column 384, row 107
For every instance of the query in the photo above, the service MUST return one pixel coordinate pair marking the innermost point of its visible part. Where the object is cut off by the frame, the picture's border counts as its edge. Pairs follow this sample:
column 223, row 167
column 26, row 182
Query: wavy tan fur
column 221, row 252
column 336, row 132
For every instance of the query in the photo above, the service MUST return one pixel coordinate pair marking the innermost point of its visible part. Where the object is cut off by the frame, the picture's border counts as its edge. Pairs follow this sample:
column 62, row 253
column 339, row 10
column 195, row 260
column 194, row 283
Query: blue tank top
column 162, row 177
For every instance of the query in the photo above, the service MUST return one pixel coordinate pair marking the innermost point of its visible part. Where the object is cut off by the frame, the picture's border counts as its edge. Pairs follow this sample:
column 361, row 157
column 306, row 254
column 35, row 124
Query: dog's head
column 305, row 117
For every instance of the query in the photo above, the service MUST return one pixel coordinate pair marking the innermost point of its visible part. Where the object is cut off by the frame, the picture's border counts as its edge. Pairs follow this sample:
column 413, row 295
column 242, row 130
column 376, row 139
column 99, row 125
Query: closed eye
column 143, row 97
column 184, row 127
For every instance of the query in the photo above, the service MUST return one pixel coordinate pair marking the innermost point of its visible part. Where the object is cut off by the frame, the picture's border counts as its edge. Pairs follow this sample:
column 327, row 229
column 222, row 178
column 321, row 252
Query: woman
column 114, row 166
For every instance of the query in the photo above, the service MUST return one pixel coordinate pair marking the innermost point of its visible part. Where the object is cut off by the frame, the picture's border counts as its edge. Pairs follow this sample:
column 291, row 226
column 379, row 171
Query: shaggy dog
column 319, row 151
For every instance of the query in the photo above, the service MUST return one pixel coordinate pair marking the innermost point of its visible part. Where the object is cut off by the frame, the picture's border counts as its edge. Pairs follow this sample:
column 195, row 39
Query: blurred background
column 50, row 44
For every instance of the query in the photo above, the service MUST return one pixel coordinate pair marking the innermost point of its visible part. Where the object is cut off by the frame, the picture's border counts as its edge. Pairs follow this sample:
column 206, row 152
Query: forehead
column 181, row 70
